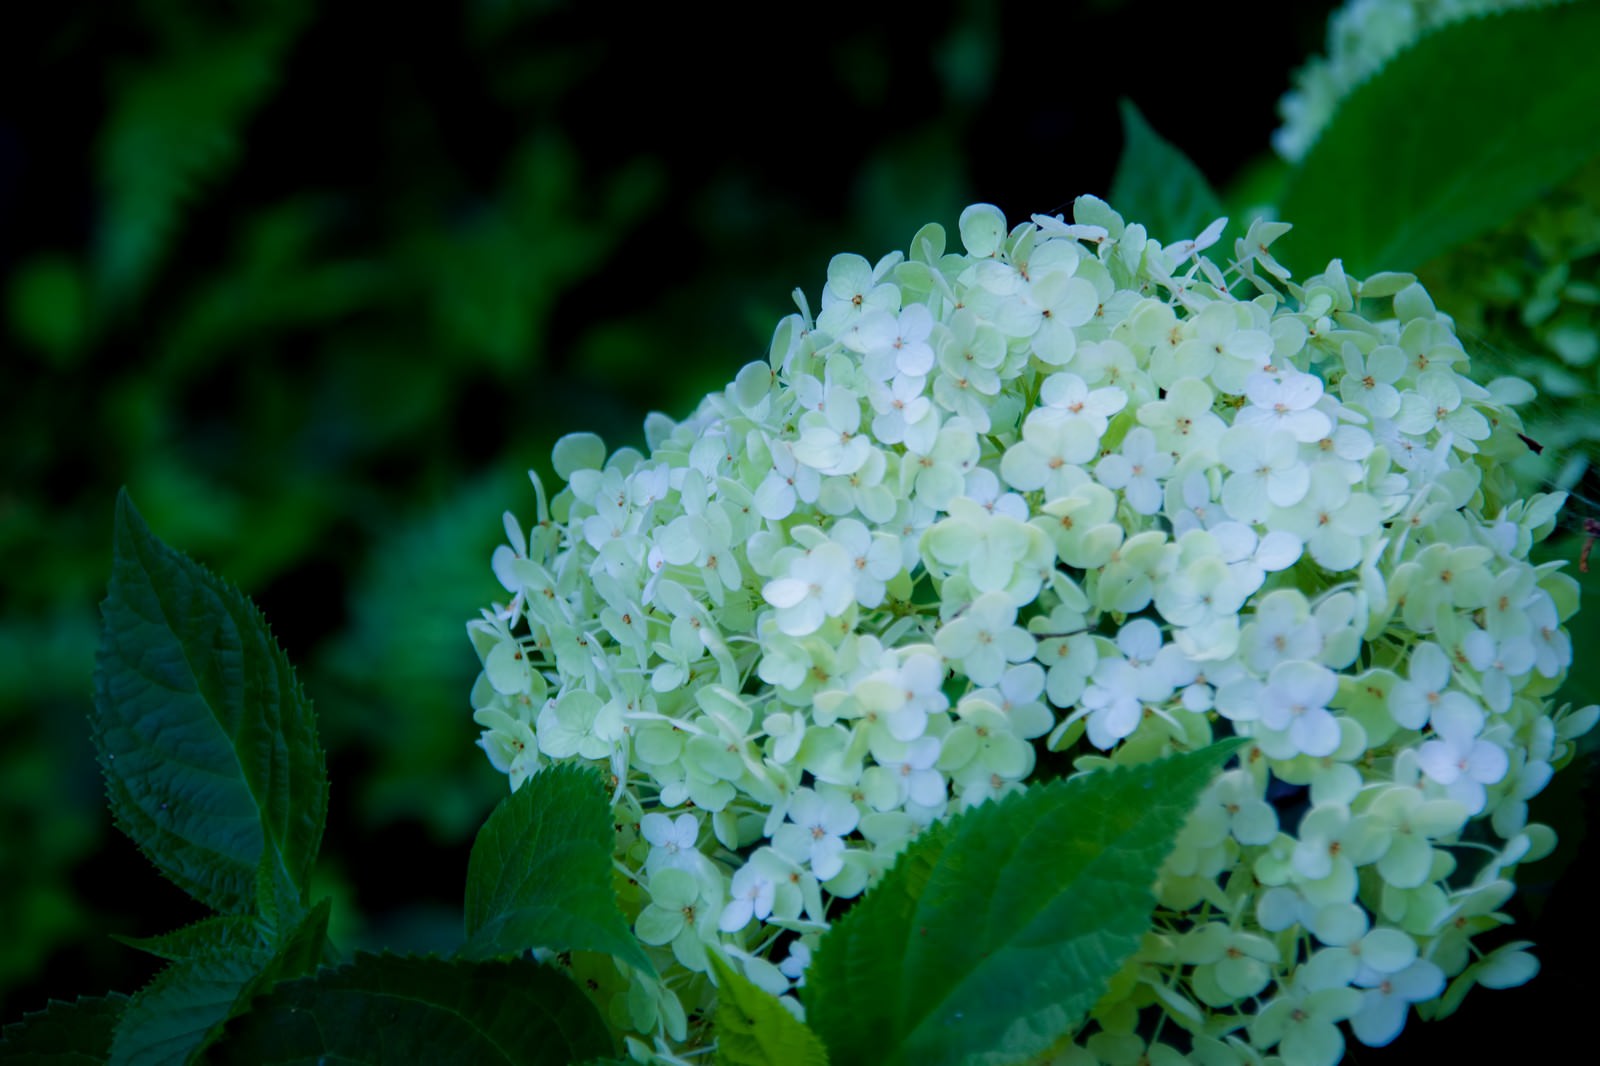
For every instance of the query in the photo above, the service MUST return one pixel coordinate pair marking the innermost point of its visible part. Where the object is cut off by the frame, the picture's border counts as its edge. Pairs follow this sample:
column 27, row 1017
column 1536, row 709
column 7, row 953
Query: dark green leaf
column 1448, row 140
column 993, row 936
column 210, row 749
column 386, row 1009
column 208, row 936
column 302, row 950
column 1157, row 186
column 64, row 1034
column 278, row 898
column 540, row 872
column 754, row 1029
column 182, row 1008
column 170, row 1017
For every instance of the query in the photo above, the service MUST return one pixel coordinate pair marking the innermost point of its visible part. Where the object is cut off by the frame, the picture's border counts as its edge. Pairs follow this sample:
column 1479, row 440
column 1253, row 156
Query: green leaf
column 1157, row 186
column 993, row 935
column 181, row 1009
column 169, row 1018
column 208, row 936
column 754, row 1029
column 209, row 748
column 278, row 899
column 386, row 1009
column 1449, row 140
column 63, row 1034
column 302, row 950
column 540, row 872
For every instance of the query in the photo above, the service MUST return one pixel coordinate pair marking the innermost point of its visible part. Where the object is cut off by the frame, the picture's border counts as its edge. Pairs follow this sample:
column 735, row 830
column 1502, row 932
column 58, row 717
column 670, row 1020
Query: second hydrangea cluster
column 1063, row 498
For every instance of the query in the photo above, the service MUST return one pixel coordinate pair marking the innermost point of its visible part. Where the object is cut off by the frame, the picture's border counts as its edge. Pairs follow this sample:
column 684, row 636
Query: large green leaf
column 1158, row 186
column 175, row 1014
column 993, row 935
column 209, row 748
column 1449, row 140
column 387, row 1009
column 540, row 872
column 63, row 1034
column 754, row 1029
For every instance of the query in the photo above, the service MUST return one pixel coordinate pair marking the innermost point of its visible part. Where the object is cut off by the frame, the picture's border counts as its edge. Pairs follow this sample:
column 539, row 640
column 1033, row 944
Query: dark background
column 318, row 283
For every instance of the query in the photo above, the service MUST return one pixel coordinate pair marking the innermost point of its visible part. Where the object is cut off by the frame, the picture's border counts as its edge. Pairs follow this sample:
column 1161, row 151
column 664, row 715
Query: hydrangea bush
column 1061, row 499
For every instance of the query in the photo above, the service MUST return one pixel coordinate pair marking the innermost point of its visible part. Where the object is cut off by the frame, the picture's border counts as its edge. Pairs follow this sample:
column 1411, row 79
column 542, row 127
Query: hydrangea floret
column 1064, row 498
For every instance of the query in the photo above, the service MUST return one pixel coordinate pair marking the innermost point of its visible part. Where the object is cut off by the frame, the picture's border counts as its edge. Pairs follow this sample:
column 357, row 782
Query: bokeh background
column 320, row 282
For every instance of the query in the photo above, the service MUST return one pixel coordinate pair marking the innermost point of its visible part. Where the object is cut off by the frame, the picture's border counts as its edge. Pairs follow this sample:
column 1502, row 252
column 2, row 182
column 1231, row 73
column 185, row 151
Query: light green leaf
column 64, row 1034
column 540, row 872
column 994, row 934
column 209, row 748
column 754, row 1029
column 439, row 1012
column 1450, row 139
column 1158, row 186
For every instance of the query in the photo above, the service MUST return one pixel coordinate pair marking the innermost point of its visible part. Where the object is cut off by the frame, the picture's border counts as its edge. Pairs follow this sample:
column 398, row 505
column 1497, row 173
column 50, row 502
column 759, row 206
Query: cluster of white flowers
column 1363, row 35
column 1068, row 498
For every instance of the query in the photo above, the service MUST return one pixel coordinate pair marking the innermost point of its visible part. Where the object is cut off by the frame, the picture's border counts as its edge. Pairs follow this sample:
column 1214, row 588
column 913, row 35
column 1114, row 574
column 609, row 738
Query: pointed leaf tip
column 540, row 874
column 754, row 1029
column 995, row 933
column 1157, row 185
column 208, row 746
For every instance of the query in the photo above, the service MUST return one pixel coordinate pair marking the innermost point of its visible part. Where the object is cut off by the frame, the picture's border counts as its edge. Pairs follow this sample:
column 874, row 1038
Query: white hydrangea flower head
column 1066, row 497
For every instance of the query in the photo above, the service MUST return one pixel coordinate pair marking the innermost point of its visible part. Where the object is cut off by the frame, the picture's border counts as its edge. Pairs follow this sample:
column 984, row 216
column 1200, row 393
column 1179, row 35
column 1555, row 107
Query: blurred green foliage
column 1529, row 294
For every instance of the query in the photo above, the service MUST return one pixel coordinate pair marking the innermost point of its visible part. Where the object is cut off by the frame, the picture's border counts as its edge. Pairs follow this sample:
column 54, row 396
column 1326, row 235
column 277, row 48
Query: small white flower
column 1295, row 705
column 818, row 584
column 818, row 823
column 1388, row 1000
column 751, row 896
column 1138, row 470
column 1461, row 760
column 1285, row 402
column 984, row 639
